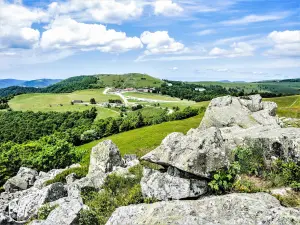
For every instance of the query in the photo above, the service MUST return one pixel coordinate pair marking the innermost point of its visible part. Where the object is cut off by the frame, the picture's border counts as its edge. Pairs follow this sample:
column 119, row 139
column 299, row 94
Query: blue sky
column 234, row 40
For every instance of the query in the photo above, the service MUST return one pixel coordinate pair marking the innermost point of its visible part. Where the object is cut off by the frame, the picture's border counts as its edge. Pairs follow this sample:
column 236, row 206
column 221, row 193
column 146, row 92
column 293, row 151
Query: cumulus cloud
column 237, row 50
column 160, row 42
column 15, row 25
column 174, row 68
column 167, row 8
column 286, row 43
column 112, row 11
column 66, row 33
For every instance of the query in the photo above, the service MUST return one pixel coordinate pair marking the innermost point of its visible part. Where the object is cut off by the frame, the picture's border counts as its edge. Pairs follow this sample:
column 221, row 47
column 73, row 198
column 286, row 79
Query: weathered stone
column 67, row 213
column 24, row 179
column 163, row 186
column 6, row 220
column 275, row 142
column 23, row 208
column 200, row 152
column 244, row 112
column 239, row 209
column 104, row 157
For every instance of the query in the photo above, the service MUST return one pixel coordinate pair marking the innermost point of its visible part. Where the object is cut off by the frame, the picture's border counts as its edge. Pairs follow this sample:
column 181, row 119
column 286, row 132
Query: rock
column 6, row 220
column 163, row 186
column 244, row 112
column 71, row 178
column 104, row 157
column 25, row 207
column 199, row 153
column 67, row 213
column 243, row 209
column 44, row 177
column 24, row 179
column 281, row 143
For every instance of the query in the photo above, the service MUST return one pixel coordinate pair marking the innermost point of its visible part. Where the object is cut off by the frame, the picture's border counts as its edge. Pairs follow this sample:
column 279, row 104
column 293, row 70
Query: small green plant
column 79, row 171
column 45, row 210
column 88, row 217
column 223, row 179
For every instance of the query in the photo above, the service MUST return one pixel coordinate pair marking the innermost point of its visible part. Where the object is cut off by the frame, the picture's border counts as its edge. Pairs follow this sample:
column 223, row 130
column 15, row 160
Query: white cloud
column 237, row 50
column 104, row 11
column 174, row 68
column 15, row 25
column 66, row 33
column 205, row 32
column 167, row 8
column 160, row 42
column 256, row 18
column 286, row 43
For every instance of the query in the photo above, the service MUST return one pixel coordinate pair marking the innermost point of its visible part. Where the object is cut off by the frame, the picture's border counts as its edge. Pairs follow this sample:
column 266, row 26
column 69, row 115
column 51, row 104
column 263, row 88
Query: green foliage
column 246, row 185
column 292, row 199
column 284, row 173
column 93, row 101
column 24, row 126
column 61, row 177
column 45, row 210
column 88, row 217
column 44, row 154
column 251, row 160
column 223, row 179
column 117, row 191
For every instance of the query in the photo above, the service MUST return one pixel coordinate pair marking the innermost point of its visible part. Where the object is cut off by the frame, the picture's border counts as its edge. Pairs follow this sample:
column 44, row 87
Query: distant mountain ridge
column 40, row 83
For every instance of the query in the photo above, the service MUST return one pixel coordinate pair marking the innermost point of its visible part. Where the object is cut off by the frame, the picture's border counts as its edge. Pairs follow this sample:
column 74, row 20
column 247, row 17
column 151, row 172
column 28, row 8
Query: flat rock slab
column 233, row 209
column 163, row 186
column 200, row 152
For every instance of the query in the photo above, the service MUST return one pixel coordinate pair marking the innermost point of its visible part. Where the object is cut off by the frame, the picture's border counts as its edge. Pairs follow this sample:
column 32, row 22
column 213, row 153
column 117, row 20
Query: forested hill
column 133, row 80
column 40, row 83
column 65, row 86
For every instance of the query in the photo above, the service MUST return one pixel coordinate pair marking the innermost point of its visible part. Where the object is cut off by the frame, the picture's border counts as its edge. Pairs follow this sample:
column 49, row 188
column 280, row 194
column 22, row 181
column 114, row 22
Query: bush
column 45, row 210
column 79, row 171
column 88, row 217
column 223, row 180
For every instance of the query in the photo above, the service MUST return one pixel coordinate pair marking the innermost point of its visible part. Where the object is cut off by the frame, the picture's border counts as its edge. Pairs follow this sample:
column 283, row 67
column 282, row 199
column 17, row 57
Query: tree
column 93, row 101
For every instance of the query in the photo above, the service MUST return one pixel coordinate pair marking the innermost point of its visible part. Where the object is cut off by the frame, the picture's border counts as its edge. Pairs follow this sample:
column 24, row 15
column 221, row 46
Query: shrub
column 223, row 179
column 45, row 210
column 88, row 217
column 79, row 171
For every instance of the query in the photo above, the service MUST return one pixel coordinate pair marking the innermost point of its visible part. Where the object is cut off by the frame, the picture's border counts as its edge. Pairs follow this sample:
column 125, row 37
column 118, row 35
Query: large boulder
column 200, row 152
column 104, row 157
column 67, row 213
column 283, row 143
column 244, row 112
column 163, row 186
column 25, row 207
column 24, row 179
column 259, row 208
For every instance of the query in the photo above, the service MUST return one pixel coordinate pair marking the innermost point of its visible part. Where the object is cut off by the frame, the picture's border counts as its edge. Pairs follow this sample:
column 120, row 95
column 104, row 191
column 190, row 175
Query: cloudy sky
column 174, row 39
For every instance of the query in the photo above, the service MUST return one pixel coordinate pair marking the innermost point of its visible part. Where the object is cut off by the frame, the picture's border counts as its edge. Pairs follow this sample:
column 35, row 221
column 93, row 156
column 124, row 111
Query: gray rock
column 104, row 157
column 233, row 209
column 199, row 152
column 71, row 178
column 6, row 220
column 281, row 143
column 163, row 186
column 67, row 213
column 43, row 177
column 25, row 207
column 244, row 112
column 24, row 179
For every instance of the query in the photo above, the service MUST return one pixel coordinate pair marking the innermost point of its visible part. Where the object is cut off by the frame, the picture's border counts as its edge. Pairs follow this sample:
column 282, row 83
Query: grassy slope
column 143, row 140
column 151, row 96
column 277, row 87
column 42, row 102
column 129, row 80
column 287, row 106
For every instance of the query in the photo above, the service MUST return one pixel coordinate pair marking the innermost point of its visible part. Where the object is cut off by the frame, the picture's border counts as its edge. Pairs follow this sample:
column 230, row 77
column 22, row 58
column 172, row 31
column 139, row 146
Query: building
column 200, row 89
column 77, row 101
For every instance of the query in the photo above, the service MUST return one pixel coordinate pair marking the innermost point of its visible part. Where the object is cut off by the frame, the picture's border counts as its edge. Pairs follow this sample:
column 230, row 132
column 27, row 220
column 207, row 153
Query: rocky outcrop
column 259, row 208
column 22, row 209
column 200, row 152
column 104, row 157
column 244, row 112
column 24, row 179
column 163, row 186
